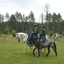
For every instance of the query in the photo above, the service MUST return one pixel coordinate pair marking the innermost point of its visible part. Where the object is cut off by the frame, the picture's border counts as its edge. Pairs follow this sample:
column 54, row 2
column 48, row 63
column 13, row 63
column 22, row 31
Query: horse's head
column 56, row 35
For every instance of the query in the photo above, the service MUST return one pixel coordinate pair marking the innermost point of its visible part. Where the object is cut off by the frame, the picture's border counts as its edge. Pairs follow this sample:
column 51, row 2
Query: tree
column 46, row 9
column 7, row 16
column 31, row 17
column 6, row 30
column 54, row 21
column 13, row 23
column 2, row 20
column 41, row 17
column 18, row 16
column 23, row 18
column 62, row 26
column 49, row 18
column 13, row 33
column 59, row 19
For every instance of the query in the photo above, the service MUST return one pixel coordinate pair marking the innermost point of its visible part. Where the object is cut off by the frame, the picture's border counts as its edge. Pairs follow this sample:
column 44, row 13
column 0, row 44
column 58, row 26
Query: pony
column 47, row 43
column 24, row 37
column 56, row 36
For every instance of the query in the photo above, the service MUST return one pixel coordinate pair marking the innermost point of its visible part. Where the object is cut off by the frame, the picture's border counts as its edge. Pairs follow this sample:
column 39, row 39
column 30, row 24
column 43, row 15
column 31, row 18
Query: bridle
column 24, row 37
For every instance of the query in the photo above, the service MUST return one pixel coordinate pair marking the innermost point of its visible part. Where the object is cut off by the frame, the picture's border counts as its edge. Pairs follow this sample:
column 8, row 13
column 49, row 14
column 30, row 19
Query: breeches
column 41, row 41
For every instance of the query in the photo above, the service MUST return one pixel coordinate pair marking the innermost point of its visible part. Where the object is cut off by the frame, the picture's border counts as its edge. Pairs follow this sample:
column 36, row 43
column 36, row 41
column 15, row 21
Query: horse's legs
column 44, row 50
column 48, row 51
column 41, row 50
column 38, row 52
column 58, row 37
column 33, row 51
column 54, row 48
column 18, row 39
column 25, row 48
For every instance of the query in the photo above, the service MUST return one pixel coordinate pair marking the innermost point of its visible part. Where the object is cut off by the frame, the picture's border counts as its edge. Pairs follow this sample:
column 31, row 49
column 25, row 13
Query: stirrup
column 40, row 47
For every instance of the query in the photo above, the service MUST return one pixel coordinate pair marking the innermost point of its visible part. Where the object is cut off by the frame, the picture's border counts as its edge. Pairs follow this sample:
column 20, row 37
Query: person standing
column 50, row 34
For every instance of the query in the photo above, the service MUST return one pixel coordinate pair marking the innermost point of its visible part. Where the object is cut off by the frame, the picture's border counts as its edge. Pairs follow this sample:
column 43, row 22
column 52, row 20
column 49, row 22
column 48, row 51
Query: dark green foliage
column 0, row 32
column 52, row 32
column 63, row 33
column 60, row 36
column 31, row 16
column 6, row 30
column 0, row 35
column 21, row 23
column 14, row 33
column 12, row 23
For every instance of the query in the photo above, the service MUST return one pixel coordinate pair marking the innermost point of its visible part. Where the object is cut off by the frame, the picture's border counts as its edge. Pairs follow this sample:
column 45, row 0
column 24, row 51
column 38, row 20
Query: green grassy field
column 11, row 52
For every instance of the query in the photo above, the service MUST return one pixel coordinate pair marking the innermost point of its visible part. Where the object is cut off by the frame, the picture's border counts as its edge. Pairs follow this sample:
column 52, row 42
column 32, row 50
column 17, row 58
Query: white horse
column 56, row 36
column 24, row 36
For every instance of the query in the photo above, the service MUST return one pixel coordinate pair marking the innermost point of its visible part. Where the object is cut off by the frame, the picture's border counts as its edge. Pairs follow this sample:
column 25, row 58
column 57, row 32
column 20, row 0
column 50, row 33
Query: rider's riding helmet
column 43, row 26
column 28, row 33
column 34, row 25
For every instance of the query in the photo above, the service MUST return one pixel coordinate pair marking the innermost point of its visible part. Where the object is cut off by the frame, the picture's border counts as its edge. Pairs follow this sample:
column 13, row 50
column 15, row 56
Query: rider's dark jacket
column 35, row 32
column 42, row 34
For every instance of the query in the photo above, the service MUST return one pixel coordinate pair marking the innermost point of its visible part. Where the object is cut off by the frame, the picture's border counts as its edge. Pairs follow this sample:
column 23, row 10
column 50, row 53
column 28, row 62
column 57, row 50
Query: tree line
column 21, row 23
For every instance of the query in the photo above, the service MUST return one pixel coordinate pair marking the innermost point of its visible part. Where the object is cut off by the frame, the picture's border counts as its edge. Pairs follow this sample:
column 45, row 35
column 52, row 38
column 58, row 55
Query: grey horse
column 47, row 43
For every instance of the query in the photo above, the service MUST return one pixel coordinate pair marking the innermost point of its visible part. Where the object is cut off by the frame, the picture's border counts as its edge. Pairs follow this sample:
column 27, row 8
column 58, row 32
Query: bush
column 13, row 33
column 52, row 32
column 0, row 35
column 60, row 36
column 6, row 30
column 0, row 32
column 63, row 33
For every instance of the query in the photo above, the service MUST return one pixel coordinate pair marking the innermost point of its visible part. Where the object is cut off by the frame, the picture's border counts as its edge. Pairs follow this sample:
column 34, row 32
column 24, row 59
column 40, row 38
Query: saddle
column 44, row 40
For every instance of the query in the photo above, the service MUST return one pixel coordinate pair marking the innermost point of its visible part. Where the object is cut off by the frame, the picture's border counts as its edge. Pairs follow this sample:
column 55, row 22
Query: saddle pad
column 45, row 41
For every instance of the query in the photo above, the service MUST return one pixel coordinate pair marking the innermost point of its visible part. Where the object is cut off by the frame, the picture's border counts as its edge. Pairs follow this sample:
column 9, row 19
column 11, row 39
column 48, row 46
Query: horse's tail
column 55, row 48
column 54, row 45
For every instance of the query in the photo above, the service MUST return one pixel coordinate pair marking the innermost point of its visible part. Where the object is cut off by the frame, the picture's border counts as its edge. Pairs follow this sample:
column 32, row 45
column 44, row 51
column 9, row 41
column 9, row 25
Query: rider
column 42, row 35
column 29, row 37
column 35, row 31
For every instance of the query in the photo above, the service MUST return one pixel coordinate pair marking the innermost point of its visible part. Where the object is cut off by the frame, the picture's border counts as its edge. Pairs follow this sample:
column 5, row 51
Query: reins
column 24, row 37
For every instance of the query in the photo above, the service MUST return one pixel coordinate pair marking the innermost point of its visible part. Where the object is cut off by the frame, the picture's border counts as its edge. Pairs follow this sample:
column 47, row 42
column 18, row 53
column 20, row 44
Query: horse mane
column 21, row 33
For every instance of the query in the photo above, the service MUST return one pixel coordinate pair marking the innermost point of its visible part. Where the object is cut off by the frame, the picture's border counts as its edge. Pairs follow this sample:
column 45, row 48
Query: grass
column 11, row 52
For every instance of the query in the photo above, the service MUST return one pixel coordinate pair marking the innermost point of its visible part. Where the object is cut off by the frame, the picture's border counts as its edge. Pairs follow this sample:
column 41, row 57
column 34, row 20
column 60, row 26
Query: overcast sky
column 25, row 6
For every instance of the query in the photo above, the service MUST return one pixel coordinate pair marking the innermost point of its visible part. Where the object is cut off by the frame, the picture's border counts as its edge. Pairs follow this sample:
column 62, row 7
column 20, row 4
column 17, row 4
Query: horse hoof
column 32, row 52
column 56, row 56
column 46, row 55
column 43, row 53
column 23, row 53
column 34, row 55
column 38, row 56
